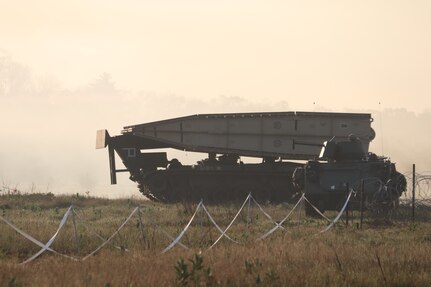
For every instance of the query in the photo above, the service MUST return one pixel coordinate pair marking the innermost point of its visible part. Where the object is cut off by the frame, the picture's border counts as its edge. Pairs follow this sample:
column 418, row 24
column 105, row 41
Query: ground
column 387, row 251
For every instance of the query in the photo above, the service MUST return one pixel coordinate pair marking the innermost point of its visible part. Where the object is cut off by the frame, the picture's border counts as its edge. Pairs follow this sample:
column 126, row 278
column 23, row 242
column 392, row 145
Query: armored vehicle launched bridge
column 274, row 137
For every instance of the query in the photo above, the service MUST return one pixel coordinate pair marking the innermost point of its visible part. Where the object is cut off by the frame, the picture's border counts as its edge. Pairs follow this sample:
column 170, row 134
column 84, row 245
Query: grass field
column 384, row 253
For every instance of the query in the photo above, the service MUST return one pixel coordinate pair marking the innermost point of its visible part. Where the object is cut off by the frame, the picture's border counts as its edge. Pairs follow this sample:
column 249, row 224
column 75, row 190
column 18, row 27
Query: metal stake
column 362, row 204
column 248, row 211
column 413, row 193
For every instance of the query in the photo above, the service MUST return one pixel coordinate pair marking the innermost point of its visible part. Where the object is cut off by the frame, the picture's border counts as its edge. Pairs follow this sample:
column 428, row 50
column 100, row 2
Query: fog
column 68, row 69
column 48, row 132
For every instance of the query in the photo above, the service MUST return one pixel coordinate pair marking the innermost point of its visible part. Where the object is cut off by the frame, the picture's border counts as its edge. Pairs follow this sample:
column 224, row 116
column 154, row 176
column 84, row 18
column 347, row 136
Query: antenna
column 381, row 127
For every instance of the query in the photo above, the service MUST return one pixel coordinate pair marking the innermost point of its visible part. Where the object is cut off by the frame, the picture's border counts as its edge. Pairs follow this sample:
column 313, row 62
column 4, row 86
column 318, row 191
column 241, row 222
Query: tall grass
column 380, row 254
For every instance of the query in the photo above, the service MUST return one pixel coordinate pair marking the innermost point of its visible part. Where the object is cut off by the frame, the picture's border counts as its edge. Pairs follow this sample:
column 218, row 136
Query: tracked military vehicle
column 285, row 142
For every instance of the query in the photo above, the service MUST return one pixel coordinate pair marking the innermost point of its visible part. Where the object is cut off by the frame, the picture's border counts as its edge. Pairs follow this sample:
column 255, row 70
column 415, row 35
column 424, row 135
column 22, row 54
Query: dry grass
column 392, row 255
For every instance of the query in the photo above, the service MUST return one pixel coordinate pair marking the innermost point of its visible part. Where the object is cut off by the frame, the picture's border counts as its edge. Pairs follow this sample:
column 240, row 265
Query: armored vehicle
column 283, row 142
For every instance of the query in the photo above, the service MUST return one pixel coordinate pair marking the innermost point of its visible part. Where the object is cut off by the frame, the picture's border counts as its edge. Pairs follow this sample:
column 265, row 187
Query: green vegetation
column 391, row 253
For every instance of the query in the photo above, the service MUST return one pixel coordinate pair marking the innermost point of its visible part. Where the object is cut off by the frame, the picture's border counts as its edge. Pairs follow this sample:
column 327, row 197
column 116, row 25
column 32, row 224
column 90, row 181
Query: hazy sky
column 338, row 53
column 172, row 58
